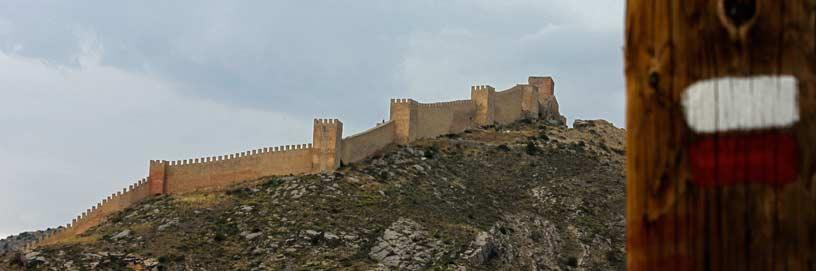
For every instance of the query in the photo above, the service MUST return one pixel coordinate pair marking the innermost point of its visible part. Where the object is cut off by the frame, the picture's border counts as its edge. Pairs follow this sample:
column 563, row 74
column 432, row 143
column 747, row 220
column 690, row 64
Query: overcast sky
column 92, row 90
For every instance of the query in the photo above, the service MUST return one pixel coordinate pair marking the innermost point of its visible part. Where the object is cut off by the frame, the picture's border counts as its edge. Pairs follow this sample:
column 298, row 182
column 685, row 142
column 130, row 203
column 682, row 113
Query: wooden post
column 719, row 174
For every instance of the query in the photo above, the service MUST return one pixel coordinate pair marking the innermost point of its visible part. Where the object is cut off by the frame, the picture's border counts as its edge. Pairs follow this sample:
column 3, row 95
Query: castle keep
column 409, row 121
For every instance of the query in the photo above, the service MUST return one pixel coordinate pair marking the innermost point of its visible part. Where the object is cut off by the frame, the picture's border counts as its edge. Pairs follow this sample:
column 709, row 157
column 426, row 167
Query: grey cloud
column 289, row 54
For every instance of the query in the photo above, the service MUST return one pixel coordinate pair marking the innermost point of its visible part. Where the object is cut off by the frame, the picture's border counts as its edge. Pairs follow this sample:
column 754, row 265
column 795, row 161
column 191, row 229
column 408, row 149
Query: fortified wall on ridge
column 409, row 121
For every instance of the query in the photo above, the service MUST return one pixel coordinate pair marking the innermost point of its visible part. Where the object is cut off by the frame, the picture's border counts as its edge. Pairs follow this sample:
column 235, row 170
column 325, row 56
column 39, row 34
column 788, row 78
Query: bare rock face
column 529, row 241
column 481, row 250
column 405, row 245
column 584, row 124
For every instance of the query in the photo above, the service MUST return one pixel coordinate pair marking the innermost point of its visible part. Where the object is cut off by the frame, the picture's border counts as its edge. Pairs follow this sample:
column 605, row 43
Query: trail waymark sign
column 721, row 143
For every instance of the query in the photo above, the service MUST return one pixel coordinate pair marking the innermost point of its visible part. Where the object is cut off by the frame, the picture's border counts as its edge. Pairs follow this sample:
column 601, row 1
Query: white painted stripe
column 740, row 104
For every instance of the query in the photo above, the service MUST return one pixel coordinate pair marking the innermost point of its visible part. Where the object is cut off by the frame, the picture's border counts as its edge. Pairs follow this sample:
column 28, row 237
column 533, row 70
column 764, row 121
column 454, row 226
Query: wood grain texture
column 671, row 223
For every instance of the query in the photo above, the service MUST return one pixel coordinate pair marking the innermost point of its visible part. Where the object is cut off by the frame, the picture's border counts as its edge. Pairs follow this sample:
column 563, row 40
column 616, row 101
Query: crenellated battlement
column 327, row 121
column 482, row 88
column 261, row 151
column 409, row 121
column 403, row 101
column 92, row 216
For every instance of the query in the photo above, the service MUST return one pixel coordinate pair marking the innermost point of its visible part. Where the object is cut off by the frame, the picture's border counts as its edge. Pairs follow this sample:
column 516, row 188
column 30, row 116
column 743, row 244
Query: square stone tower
column 404, row 115
column 327, row 140
column 157, row 178
column 483, row 97
column 545, row 85
column 548, row 105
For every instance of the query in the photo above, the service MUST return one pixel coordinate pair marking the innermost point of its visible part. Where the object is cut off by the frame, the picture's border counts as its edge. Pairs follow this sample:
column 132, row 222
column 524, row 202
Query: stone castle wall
column 508, row 105
column 409, row 121
column 97, row 213
column 362, row 145
column 435, row 119
column 216, row 173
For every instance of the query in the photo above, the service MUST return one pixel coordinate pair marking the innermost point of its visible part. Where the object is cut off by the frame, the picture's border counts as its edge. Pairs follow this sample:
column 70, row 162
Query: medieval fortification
column 409, row 121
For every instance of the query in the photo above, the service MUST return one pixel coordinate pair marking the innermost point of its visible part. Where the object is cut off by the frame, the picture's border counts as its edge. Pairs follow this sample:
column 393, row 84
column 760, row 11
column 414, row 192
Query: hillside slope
column 525, row 196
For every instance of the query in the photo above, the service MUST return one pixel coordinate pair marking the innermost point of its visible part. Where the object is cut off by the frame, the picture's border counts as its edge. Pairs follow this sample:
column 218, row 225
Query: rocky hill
column 526, row 196
column 18, row 241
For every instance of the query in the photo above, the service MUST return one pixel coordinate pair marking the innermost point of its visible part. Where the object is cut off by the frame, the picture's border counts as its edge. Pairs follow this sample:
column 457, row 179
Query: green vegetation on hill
column 525, row 196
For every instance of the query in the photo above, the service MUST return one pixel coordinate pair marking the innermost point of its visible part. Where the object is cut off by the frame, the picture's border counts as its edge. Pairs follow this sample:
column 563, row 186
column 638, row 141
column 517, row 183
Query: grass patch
column 200, row 200
column 80, row 240
column 141, row 228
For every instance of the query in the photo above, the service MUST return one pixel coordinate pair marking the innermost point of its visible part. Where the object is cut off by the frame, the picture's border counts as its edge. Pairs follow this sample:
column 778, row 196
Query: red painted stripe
column 766, row 158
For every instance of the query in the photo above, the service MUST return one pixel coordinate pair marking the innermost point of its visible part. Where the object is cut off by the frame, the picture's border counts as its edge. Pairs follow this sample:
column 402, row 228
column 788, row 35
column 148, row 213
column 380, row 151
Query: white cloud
column 72, row 135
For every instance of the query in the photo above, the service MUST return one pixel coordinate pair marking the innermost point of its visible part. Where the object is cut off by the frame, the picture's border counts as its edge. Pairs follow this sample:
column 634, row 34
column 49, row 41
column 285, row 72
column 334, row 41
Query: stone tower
column 157, row 184
column 545, row 85
column 483, row 97
column 327, row 140
column 548, row 105
column 404, row 115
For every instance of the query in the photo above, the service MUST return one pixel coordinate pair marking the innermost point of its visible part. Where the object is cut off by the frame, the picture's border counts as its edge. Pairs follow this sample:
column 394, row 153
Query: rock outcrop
column 406, row 245
column 18, row 242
